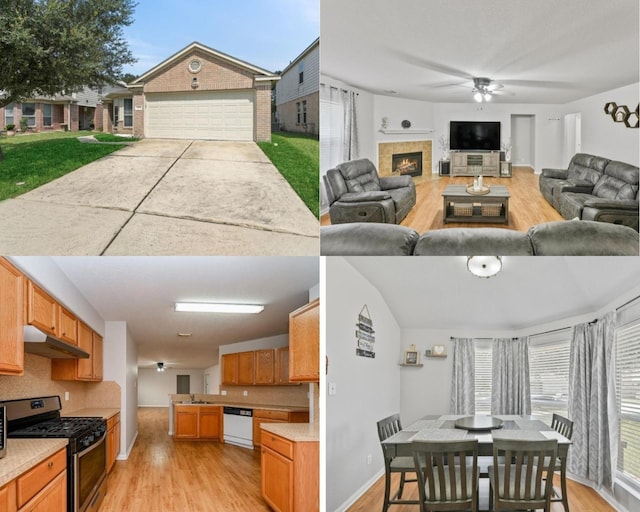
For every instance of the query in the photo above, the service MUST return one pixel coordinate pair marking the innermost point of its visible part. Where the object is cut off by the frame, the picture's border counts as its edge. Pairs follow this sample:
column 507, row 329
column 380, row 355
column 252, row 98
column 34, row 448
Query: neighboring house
column 77, row 111
column 297, row 93
column 197, row 93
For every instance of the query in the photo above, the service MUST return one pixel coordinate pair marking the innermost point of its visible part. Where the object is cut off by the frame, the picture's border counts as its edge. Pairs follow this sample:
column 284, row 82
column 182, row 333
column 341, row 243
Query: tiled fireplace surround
column 387, row 149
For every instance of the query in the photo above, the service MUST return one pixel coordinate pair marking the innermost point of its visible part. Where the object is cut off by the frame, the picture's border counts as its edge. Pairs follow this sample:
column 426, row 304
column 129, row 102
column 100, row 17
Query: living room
column 410, row 80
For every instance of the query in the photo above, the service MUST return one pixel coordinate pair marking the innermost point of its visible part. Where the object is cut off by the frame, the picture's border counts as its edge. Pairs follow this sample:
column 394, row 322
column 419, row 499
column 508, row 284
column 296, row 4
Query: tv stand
column 474, row 163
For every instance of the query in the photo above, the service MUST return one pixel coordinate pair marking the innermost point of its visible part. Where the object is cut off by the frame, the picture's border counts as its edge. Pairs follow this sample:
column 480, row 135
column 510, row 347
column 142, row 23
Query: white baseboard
column 125, row 456
column 159, row 405
column 356, row 495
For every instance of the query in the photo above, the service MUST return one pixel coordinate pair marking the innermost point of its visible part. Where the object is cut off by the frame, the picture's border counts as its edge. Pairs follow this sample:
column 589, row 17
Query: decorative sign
column 365, row 334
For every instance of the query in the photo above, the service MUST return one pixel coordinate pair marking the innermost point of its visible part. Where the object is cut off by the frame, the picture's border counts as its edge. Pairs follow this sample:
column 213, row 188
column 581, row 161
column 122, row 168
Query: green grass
column 110, row 137
column 33, row 160
column 297, row 157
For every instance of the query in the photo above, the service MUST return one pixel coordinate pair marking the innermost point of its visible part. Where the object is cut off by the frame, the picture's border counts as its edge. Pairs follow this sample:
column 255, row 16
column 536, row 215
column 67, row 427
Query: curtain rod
column 338, row 88
column 628, row 303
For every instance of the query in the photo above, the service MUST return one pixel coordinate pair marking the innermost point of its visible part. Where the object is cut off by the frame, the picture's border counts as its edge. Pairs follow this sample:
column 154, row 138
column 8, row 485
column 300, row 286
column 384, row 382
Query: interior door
column 183, row 384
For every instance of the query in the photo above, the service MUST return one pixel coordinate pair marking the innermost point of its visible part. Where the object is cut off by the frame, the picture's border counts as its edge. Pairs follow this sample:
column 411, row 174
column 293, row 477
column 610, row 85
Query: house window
column 8, row 114
column 299, row 110
column 304, row 112
column 116, row 115
column 628, row 397
column 301, row 72
column 483, row 365
column 29, row 113
column 128, row 112
column 549, row 374
column 46, row 114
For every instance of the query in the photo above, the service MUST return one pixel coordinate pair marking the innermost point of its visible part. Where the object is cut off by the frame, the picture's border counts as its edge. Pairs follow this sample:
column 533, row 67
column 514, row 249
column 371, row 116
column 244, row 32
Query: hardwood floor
column 581, row 498
column 180, row 476
column 527, row 207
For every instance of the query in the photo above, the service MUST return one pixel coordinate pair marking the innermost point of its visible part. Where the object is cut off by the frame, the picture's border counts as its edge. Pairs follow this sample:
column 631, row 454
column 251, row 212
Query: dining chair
column 403, row 465
column 524, row 480
column 563, row 426
column 447, row 474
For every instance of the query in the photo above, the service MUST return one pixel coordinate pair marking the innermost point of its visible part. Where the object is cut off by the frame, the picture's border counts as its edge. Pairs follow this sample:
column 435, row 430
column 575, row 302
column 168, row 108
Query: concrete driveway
column 164, row 197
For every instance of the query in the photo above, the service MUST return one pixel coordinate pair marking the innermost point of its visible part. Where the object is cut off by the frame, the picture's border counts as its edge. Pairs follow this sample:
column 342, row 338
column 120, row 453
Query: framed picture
column 411, row 357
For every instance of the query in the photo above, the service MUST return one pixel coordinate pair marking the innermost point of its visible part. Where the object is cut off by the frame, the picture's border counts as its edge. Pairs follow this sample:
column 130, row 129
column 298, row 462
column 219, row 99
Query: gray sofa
column 357, row 194
column 594, row 188
column 573, row 238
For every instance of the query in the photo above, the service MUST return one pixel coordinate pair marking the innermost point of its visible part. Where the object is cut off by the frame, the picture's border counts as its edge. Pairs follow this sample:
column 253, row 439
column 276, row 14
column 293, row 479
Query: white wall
column 214, row 379
column 368, row 389
column 523, row 140
column 281, row 340
column 600, row 135
column 154, row 387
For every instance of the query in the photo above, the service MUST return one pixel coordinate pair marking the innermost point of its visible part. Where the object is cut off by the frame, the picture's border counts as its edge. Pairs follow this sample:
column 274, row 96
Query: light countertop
column 105, row 413
column 297, row 432
column 264, row 407
column 23, row 454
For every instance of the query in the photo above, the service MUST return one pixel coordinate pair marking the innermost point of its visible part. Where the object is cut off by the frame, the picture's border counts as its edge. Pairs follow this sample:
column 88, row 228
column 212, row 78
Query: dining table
column 483, row 428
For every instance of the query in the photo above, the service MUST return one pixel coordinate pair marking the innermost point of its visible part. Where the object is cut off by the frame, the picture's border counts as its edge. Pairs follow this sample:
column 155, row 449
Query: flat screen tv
column 474, row 135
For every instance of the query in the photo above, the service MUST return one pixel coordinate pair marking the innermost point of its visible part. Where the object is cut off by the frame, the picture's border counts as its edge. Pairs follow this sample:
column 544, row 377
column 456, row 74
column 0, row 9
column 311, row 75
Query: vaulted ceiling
column 439, row 292
column 142, row 291
column 541, row 51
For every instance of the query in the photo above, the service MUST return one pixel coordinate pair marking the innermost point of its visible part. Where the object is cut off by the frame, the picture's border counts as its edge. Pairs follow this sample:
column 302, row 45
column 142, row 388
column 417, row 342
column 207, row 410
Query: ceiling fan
column 484, row 88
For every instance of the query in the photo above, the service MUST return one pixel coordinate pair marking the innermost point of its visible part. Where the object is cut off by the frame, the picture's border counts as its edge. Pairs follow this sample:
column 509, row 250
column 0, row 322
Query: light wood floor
column 163, row 475
column 527, row 207
column 581, row 498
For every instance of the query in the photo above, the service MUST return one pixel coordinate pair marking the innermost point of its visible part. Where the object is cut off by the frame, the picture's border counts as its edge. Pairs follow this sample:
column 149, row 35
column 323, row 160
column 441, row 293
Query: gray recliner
column 357, row 194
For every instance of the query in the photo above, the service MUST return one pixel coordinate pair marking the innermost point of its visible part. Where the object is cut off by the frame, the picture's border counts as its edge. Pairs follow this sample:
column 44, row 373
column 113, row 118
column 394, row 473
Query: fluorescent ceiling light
column 211, row 307
column 484, row 266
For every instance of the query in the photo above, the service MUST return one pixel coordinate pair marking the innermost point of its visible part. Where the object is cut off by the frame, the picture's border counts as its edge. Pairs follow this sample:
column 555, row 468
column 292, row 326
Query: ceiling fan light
column 484, row 266
column 212, row 307
column 478, row 96
column 487, row 96
column 160, row 367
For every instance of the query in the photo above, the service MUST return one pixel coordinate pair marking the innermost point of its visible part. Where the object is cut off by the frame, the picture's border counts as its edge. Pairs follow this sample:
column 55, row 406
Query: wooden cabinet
column 282, row 366
column 230, row 369
column 304, row 343
column 198, row 422
column 42, row 310
column 11, row 319
column 44, row 487
column 68, row 325
column 261, row 416
column 265, row 366
column 8, row 497
column 475, row 163
column 113, row 440
column 245, row 367
column 290, row 476
column 90, row 369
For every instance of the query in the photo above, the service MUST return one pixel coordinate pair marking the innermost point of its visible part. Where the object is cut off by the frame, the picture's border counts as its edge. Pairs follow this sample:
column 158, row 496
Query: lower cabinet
column 113, row 440
column 8, row 497
column 290, row 476
column 261, row 416
column 198, row 422
column 52, row 498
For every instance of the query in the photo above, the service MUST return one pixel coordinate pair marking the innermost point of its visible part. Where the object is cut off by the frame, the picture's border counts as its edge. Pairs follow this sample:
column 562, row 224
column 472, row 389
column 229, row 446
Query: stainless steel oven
column 90, row 473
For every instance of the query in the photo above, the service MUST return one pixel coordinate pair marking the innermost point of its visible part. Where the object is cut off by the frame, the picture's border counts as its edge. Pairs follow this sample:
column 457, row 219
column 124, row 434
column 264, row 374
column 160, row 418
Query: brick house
column 197, row 93
column 297, row 93
column 77, row 111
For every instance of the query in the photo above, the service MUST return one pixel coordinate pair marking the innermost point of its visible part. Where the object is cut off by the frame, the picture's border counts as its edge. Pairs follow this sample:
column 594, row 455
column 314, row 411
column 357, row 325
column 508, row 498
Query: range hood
column 39, row 343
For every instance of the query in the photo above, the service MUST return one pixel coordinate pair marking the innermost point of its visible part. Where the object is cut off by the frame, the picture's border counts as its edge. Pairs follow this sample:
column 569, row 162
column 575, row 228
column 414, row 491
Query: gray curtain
column 510, row 392
column 350, row 147
column 592, row 402
column 463, row 396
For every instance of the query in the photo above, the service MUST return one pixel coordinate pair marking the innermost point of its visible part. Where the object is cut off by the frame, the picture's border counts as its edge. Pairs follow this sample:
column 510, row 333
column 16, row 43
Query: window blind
column 549, row 376
column 483, row 365
column 628, row 396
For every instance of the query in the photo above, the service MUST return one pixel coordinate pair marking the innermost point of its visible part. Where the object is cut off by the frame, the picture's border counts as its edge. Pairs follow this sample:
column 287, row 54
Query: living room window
column 8, row 114
column 128, row 112
column 483, row 366
column 46, row 114
column 29, row 113
column 549, row 374
column 628, row 396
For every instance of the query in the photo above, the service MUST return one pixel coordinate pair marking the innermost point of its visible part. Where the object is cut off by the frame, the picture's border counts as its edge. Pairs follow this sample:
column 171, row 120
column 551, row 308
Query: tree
column 51, row 46
column 127, row 78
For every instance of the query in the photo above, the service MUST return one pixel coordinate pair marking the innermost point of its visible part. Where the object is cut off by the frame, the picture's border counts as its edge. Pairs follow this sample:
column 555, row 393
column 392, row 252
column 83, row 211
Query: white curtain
column 592, row 402
column 331, row 133
column 510, row 390
column 463, row 397
column 350, row 149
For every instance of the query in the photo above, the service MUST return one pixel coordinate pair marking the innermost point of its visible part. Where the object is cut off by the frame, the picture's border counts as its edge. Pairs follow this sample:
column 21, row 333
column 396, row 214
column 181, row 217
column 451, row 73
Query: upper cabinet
column 230, row 369
column 82, row 369
column 304, row 343
column 282, row 365
column 245, row 368
column 68, row 326
column 11, row 319
column 42, row 310
column 264, row 366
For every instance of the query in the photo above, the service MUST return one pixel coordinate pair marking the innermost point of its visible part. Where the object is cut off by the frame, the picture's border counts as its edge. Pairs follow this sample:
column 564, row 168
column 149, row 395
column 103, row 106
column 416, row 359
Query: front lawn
column 297, row 157
column 33, row 160
column 110, row 137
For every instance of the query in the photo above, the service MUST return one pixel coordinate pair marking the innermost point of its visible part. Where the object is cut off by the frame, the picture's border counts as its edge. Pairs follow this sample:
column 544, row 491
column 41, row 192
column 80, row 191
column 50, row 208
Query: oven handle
column 94, row 445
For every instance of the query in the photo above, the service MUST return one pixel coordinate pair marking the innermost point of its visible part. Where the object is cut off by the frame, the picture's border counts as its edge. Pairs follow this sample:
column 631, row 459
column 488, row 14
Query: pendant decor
column 621, row 114
column 365, row 334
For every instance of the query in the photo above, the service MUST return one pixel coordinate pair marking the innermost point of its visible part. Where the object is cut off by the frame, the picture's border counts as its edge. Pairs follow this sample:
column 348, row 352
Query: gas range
column 81, row 432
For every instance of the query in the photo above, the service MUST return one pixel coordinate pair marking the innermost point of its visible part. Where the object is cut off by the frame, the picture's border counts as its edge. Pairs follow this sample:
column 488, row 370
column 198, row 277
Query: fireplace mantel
column 403, row 131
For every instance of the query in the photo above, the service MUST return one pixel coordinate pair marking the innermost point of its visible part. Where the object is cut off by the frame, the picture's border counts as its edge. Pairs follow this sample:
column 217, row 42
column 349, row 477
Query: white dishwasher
column 238, row 426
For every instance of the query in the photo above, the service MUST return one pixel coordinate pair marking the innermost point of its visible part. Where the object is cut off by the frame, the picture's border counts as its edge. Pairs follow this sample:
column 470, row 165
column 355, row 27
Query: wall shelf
column 443, row 356
column 407, row 130
column 412, row 365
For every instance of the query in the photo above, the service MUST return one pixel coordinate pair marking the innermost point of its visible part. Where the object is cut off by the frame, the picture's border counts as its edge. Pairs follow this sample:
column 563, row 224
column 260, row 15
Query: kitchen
column 152, row 367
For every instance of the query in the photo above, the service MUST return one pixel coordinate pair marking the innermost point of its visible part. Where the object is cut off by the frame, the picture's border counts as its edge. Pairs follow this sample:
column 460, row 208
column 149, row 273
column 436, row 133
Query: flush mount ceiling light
column 184, row 335
column 212, row 307
column 484, row 266
column 160, row 367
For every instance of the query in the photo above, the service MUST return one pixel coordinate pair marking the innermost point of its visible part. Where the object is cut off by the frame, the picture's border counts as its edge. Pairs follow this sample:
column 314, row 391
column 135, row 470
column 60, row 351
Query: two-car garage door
column 225, row 115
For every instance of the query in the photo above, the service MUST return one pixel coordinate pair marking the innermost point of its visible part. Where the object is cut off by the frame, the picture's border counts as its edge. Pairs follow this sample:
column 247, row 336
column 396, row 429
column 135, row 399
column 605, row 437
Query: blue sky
column 266, row 33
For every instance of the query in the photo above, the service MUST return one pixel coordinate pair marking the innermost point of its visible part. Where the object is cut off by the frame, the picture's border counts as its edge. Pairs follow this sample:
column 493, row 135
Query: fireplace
column 409, row 164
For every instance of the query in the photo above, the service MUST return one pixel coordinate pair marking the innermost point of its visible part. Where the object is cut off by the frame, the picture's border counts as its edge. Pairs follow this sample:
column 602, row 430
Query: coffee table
column 461, row 206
